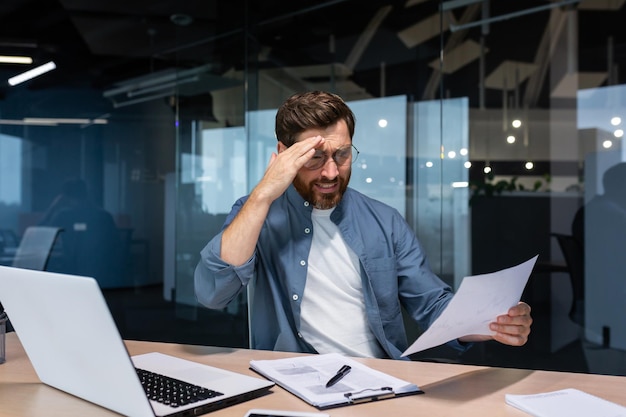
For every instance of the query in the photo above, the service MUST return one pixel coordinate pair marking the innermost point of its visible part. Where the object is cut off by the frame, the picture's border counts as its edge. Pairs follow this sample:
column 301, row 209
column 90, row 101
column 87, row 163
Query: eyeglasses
column 341, row 156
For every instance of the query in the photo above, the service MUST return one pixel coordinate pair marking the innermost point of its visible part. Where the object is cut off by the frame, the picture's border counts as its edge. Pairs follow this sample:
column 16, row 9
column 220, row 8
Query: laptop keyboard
column 172, row 392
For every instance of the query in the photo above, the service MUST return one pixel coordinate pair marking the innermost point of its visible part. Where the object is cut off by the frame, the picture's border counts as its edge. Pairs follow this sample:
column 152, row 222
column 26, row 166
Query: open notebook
column 68, row 333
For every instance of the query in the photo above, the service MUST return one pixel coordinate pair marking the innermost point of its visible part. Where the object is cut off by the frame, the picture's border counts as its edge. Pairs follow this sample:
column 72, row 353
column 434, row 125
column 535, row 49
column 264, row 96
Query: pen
column 340, row 374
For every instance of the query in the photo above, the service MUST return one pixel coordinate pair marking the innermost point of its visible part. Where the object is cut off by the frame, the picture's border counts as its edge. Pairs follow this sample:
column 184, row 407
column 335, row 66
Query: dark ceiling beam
column 543, row 56
column 454, row 40
column 300, row 12
column 239, row 30
column 454, row 28
column 455, row 4
column 366, row 37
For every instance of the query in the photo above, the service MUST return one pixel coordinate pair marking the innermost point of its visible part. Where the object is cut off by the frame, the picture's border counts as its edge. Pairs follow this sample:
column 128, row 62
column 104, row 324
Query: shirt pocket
column 383, row 278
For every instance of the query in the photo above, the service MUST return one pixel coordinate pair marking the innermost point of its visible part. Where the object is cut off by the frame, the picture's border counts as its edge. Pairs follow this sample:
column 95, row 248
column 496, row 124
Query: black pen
column 340, row 374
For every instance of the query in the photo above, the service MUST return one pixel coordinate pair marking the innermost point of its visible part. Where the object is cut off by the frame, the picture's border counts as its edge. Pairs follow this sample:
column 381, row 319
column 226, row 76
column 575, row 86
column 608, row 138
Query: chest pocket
column 383, row 278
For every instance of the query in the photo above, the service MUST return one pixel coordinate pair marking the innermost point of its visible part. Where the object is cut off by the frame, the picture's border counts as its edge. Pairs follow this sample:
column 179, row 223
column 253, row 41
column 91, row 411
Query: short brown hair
column 313, row 109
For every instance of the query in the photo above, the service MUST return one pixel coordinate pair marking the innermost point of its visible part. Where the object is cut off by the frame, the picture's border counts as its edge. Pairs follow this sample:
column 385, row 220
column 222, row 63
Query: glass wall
column 487, row 124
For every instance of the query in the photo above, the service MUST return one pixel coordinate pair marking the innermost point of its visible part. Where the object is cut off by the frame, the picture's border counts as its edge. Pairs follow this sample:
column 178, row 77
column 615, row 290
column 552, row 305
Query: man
column 607, row 210
column 331, row 267
column 599, row 227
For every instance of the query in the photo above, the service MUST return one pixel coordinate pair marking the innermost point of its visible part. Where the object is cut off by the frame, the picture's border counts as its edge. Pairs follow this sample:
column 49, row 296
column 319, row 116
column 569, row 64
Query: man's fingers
column 302, row 151
column 521, row 309
column 511, row 340
column 512, row 334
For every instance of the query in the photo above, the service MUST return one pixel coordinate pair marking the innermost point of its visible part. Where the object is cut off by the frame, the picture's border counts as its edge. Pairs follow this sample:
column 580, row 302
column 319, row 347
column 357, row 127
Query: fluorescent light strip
column 5, row 59
column 35, row 120
column 118, row 104
column 40, row 121
column 35, row 72
column 159, row 87
column 16, row 122
column 151, row 80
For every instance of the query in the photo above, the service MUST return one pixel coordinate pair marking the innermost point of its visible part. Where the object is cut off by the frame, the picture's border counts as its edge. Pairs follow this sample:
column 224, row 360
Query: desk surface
column 450, row 389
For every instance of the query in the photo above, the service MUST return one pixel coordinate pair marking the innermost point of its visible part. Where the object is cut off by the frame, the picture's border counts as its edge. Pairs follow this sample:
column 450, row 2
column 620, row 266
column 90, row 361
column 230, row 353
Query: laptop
column 71, row 339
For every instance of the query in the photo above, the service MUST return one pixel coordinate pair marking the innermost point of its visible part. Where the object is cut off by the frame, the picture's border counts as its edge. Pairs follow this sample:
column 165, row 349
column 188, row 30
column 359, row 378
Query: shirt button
column 302, row 262
column 307, row 230
column 300, row 335
column 306, row 204
column 295, row 297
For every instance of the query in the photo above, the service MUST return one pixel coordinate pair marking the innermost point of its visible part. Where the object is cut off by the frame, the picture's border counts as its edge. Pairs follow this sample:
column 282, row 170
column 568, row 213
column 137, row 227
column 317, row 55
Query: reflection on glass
column 440, row 215
column 600, row 224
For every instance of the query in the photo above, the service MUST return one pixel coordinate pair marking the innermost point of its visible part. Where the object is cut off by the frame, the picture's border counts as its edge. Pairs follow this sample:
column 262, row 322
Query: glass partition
column 488, row 124
column 600, row 225
column 545, row 120
column 441, row 164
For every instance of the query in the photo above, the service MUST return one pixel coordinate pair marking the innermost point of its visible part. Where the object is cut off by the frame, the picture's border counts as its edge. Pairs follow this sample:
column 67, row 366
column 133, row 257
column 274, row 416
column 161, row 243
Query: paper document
column 568, row 402
column 478, row 301
column 306, row 377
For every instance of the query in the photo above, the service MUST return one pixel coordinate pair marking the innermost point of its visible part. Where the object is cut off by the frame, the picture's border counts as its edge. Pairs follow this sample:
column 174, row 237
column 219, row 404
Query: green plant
column 487, row 187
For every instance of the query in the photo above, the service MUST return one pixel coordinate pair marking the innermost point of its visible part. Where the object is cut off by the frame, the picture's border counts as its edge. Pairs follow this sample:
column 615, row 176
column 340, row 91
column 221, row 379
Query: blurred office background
column 487, row 123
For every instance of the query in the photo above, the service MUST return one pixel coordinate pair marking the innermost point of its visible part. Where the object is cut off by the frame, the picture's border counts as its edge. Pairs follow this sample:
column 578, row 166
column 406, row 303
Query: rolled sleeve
column 217, row 282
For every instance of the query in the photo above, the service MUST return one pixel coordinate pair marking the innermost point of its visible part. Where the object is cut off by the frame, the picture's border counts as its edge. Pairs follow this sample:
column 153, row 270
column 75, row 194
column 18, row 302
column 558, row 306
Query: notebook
column 70, row 337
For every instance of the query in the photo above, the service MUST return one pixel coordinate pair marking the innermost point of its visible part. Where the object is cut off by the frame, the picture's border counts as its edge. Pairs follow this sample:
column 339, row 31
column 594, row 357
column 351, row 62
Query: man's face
column 323, row 187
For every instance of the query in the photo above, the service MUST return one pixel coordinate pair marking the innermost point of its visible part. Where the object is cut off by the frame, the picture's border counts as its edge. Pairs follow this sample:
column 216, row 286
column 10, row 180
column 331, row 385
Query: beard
column 322, row 201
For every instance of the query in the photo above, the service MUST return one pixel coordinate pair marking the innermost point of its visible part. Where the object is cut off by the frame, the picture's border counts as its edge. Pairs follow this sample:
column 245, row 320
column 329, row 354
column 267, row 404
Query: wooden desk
column 451, row 390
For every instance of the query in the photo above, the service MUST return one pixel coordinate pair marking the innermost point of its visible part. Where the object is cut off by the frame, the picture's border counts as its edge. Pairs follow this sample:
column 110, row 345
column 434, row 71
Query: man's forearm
column 240, row 237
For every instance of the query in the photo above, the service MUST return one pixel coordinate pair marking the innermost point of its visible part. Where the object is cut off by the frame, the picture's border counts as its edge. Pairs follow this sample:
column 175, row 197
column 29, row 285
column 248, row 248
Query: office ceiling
column 379, row 48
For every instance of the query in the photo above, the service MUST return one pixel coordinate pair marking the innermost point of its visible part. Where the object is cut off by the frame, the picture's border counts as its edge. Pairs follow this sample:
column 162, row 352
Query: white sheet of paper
column 478, row 301
column 567, row 402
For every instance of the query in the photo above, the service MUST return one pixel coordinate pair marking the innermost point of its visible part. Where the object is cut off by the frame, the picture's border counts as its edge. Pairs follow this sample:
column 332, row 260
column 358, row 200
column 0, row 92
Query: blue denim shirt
column 394, row 272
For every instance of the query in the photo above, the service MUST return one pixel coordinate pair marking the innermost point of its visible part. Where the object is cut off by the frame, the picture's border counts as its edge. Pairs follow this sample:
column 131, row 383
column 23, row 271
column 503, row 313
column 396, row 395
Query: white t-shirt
column 333, row 317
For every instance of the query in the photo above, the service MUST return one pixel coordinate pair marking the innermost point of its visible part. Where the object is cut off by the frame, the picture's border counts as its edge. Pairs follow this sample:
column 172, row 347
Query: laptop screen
column 71, row 339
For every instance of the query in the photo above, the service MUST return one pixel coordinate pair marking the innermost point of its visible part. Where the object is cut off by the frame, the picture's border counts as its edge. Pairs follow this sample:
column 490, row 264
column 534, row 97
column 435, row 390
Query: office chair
column 34, row 251
column 35, row 247
column 574, row 255
column 9, row 239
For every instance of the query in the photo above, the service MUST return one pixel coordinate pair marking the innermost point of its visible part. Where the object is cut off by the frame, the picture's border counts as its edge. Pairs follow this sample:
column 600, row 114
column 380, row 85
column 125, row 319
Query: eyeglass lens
column 341, row 156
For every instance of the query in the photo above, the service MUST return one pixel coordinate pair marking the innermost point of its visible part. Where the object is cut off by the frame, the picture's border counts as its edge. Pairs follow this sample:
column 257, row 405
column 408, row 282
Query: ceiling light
column 35, row 72
column 181, row 19
column 61, row 120
column 5, row 59
column 160, row 84
column 54, row 121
